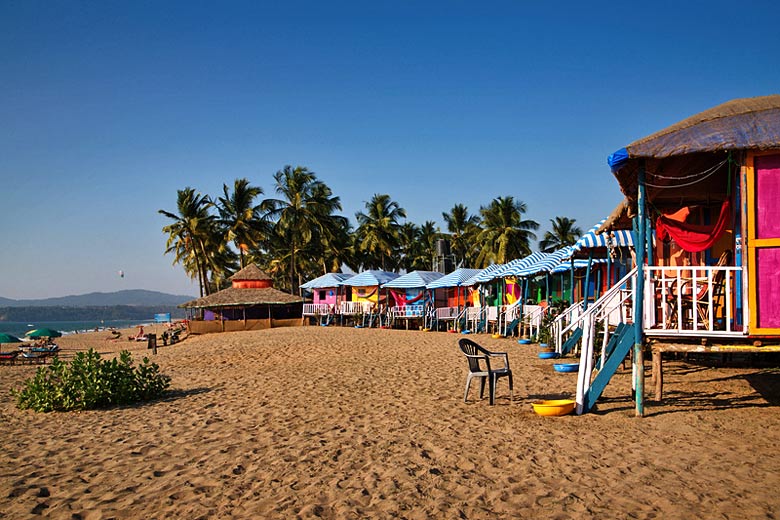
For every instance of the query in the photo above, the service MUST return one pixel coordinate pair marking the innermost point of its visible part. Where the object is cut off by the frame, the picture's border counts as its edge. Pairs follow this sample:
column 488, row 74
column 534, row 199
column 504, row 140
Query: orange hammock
column 692, row 237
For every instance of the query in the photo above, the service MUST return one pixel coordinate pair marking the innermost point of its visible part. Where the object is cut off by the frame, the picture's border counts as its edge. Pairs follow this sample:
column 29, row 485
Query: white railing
column 317, row 309
column 612, row 306
column 352, row 308
column 407, row 311
column 507, row 315
column 690, row 300
column 532, row 317
column 473, row 317
column 562, row 323
column 492, row 313
column 447, row 313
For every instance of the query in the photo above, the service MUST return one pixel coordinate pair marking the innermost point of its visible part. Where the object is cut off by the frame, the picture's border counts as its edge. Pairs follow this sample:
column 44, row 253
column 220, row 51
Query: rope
column 710, row 174
column 693, row 175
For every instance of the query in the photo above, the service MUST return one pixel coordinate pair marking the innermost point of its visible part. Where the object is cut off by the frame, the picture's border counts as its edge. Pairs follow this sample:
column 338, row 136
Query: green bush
column 90, row 382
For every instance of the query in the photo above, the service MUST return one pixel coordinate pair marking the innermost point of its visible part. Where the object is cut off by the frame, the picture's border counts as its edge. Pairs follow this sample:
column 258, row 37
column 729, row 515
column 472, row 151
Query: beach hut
column 250, row 303
column 408, row 296
column 704, row 195
column 451, row 296
column 326, row 294
column 367, row 298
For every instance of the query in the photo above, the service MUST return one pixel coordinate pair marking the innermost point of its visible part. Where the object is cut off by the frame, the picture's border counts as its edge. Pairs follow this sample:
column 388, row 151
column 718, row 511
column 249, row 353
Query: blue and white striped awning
column 370, row 278
column 327, row 280
column 546, row 264
column 579, row 263
column 454, row 279
column 515, row 266
column 484, row 275
column 617, row 238
column 413, row 280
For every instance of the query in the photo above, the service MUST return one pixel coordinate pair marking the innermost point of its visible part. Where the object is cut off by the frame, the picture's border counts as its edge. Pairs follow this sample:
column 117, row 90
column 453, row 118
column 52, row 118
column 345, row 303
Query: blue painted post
column 571, row 278
column 587, row 279
column 598, row 283
column 547, row 287
column 641, row 246
column 649, row 240
column 742, row 210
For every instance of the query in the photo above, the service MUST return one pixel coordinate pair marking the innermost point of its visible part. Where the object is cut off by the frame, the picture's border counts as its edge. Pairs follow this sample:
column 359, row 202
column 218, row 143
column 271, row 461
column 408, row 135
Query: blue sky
column 107, row 108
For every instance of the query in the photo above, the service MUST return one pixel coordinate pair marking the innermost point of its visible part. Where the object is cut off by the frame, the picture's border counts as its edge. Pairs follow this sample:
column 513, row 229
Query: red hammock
column 692, row 237
column 400, row 298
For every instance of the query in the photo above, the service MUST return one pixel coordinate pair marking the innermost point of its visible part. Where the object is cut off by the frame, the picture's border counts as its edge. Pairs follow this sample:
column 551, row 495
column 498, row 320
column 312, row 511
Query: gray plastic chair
column 479, row 367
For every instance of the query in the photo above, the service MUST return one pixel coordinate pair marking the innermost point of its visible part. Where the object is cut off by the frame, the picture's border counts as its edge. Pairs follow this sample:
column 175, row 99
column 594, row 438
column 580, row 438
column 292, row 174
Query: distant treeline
column 114, row 312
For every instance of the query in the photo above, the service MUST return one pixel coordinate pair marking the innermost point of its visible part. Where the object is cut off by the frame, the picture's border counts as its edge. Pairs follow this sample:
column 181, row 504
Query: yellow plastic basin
column 554, row 407
column 496, row 336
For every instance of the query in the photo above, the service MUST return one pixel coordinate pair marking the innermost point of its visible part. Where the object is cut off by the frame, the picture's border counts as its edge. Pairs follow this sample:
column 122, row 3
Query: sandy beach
column 344, row 423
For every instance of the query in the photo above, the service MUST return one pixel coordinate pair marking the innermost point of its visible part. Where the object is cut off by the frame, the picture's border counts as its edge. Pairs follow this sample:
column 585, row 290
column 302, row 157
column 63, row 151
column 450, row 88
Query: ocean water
column 18, row 328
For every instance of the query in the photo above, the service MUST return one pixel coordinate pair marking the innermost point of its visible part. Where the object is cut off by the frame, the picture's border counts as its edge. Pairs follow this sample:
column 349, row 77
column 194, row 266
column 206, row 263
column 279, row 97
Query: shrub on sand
column 89, row 382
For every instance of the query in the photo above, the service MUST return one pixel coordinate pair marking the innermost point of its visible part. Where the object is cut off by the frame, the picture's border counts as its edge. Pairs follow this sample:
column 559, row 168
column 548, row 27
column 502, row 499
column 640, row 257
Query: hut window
column 322, row 295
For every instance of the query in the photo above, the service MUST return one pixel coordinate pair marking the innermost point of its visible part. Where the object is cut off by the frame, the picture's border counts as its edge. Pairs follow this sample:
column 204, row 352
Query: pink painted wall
column 768, row 260
column 767, row 196
column 328, row 293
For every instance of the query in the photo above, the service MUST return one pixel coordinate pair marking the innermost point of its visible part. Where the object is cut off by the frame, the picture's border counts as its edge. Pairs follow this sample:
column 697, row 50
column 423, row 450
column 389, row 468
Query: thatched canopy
column 250, row 272
column 233, row 297
column 620, row 218
column 694, row 159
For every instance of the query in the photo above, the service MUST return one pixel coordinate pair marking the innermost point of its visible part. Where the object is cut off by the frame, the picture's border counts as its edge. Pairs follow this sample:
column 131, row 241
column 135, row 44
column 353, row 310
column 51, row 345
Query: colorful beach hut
column 451, row 295
column 704, row 194
column 326, row 294
column 250, row 303
column 409, row 299
column 366, row 295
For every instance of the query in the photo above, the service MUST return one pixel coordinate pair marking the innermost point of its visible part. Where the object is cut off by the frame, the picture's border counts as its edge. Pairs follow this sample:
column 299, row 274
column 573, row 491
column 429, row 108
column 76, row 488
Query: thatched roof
column 704, row 147
column 233, row 297
column 620, row 218
column 250, row 272
column 739, row 124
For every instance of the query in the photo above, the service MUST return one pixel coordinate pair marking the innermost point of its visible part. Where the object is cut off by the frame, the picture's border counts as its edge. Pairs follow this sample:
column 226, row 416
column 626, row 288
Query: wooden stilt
column 658, row 373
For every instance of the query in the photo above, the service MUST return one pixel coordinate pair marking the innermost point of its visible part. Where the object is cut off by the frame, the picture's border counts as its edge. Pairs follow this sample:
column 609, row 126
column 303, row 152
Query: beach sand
column 344, row 423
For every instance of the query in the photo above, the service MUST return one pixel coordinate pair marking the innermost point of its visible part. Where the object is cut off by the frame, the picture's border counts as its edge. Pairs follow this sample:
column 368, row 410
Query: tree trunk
column 292, row 270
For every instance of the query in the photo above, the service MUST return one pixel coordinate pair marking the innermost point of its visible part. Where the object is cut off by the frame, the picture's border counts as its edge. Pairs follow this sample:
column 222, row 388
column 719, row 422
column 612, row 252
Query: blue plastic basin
column 566, row 367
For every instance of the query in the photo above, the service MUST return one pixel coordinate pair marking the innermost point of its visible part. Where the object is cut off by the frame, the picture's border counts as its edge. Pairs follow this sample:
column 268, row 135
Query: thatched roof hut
column 237, row 297
column 251, row 298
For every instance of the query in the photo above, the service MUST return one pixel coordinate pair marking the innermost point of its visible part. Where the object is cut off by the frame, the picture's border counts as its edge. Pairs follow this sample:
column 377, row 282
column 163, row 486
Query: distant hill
column 132, row 298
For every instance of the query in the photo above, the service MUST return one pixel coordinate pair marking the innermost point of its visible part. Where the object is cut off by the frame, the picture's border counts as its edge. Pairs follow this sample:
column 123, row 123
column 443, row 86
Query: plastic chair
column 479, row 367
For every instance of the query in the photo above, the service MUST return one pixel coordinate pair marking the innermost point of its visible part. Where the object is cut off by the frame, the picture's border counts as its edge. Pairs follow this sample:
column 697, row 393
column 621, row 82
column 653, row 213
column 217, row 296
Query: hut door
column 764, row 244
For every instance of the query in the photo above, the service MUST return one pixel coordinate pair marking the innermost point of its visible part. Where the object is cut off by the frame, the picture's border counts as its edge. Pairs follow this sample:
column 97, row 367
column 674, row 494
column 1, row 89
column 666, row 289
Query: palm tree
column 462, row 228
column 409, row 243
column 302, row 214
column 191, row 235
column 429, row 234
column 504, row 235
column 564, row 233
column 378, row 230
column 240, row 217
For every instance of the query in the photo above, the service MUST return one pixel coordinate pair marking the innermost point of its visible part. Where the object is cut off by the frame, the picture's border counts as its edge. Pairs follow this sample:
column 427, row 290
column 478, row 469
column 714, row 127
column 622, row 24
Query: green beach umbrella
column 43, row 333
column 8, row 338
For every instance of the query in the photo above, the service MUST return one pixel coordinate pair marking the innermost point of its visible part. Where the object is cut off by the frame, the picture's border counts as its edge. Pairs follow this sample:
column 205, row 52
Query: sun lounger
column 8, row 358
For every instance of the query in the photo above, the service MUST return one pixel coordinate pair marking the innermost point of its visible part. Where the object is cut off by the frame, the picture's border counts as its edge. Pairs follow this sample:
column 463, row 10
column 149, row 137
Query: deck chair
column 479, row 367
column 700, row 300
